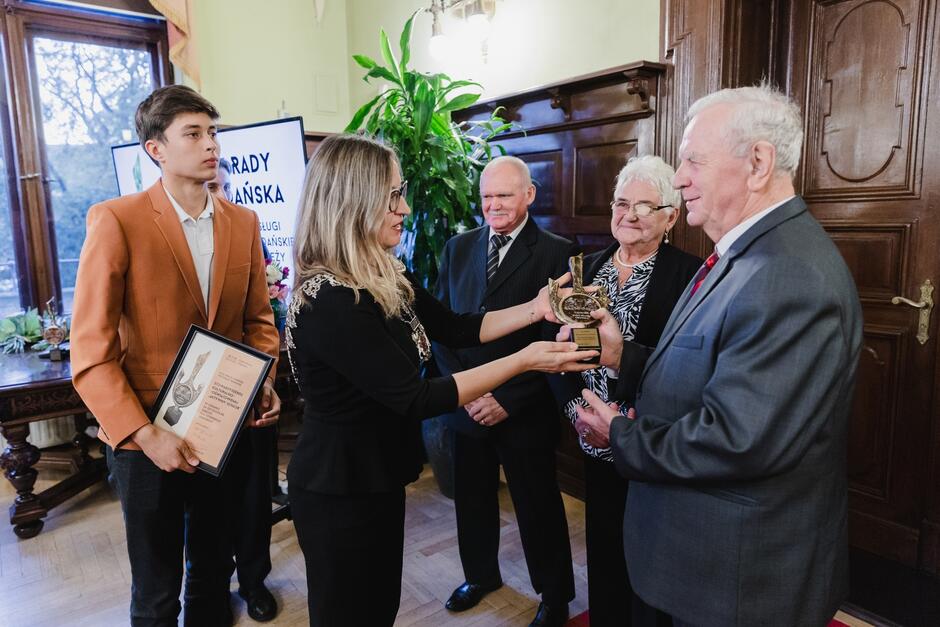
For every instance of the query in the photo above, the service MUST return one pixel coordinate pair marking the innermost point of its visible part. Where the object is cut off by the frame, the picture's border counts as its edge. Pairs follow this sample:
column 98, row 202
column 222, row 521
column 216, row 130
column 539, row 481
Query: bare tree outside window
column 88, row 94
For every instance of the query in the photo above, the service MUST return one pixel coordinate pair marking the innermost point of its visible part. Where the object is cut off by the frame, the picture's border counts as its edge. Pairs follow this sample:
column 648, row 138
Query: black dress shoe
column 261, row 604
column 468, row 595
column 550, row 615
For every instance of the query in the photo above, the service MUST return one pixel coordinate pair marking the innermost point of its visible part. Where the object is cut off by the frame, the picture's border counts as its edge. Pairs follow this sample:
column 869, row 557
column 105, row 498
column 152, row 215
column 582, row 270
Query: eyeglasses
column 641, row 209
column 394, row 199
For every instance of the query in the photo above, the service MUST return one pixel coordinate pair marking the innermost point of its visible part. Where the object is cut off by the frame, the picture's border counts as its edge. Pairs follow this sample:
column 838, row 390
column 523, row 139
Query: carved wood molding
column 560, row 100
column 863, row 138
column 642, row 79
column 841, row 230
column 869, row 472
column 47, row 404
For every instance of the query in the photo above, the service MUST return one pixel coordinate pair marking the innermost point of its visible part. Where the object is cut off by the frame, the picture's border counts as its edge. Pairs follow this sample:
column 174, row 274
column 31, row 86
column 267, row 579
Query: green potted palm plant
column 441, row 160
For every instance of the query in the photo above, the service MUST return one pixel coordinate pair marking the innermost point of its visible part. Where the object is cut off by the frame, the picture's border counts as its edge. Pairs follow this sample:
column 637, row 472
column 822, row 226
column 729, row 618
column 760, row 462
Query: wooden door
column 865, row 73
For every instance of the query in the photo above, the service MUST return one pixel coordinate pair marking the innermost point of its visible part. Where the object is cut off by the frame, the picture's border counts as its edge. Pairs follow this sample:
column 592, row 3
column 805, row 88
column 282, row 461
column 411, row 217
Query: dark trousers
column 167, row 516
column 611, row 600
column 543, row 528
column 252, row 528
column 352, row 546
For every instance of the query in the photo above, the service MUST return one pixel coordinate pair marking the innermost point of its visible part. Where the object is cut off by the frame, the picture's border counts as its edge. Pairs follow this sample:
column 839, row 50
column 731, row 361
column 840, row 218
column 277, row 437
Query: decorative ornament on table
column 23, row 331
column 55, row 330
column 278, row 291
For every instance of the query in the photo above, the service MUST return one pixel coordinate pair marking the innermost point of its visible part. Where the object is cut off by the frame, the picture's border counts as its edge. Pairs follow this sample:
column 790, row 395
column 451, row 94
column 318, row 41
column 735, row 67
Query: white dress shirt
column 201, row 242
column 724, row 244
column 512, row 238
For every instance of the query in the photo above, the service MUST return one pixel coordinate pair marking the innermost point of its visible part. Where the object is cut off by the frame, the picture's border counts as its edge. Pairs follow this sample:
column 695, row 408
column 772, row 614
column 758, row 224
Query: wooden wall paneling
column 713, row 44
column 861, row 72
column 692, row 43
column 862, row 102
column 575, row 137
column 312, row 139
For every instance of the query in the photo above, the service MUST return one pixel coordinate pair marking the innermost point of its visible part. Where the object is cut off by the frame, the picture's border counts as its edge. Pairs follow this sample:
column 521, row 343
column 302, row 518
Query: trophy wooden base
column 55, row 354
column 587, row 339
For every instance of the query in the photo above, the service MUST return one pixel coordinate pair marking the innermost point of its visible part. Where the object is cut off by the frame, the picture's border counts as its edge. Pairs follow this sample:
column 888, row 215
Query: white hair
column 760, row 113
column 652, row 171
column 518, row 164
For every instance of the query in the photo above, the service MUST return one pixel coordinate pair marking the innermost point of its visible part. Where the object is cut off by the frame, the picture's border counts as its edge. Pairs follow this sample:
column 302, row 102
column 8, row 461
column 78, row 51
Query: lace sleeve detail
column 309, row 288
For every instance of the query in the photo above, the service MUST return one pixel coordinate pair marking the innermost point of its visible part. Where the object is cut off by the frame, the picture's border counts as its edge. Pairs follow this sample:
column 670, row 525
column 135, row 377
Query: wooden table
column 31, row 390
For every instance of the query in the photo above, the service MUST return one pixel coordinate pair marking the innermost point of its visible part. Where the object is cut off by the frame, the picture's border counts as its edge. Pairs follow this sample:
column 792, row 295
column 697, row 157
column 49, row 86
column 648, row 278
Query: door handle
column 925, row 305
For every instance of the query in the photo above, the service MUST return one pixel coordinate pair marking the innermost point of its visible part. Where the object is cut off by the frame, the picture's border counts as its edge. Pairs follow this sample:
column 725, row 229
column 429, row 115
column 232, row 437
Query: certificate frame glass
column 208, row 394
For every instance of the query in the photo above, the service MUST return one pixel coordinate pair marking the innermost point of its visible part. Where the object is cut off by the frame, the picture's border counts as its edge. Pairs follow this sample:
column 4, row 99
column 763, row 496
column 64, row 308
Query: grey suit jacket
column 737, row 510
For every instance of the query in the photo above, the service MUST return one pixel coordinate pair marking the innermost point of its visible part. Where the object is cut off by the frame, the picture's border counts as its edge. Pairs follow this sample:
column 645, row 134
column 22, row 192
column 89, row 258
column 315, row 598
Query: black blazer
column 533, row 258
column 673, row 270
column 359, row 375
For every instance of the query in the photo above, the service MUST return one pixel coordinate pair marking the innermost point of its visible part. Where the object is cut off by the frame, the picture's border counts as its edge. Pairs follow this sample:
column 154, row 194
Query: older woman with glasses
column 644, row 277
column 358, row 331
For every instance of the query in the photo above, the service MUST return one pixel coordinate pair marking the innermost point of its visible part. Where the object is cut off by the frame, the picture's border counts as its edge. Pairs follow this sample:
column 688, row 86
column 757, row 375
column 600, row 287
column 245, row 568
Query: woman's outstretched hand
column 556, row 357
column 543, row 307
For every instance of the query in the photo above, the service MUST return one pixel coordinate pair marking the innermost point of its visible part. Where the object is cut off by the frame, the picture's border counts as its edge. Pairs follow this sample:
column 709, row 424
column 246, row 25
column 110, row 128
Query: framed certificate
column 208, row 393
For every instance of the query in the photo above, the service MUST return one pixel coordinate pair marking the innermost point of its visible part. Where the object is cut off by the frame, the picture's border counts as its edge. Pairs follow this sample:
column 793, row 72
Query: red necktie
column 703, row 272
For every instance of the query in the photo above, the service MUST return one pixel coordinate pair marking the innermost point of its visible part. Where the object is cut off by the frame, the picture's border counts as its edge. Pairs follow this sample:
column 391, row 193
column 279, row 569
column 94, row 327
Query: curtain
column 180, row 35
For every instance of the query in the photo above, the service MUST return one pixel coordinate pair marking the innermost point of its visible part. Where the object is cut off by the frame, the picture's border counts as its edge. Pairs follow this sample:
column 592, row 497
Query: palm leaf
column 442, row 160
column 360, row 115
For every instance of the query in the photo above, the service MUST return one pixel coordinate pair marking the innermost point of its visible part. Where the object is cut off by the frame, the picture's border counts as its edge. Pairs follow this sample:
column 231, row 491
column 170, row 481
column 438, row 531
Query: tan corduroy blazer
column 137, row 293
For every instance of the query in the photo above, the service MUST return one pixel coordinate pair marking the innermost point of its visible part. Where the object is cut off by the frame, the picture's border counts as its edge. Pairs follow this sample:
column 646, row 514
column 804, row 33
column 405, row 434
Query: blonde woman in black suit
column 359, row 329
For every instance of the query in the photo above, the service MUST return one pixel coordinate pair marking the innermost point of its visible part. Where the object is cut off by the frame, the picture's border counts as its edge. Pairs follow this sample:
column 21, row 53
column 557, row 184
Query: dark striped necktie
column 703, row 272
column 497, row 241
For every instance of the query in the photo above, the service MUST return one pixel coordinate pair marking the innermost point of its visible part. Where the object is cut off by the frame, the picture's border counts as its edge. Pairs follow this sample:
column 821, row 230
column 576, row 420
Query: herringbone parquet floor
column 76, row 573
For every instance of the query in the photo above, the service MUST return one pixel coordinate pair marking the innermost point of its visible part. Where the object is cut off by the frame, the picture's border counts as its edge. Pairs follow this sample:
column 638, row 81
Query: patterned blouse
column 626, row 303
column 311, row 288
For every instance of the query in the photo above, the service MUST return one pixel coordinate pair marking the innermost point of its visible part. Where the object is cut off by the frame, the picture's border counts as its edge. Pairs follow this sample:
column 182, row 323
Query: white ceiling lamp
column 440, row 46
column 477, row 14
column 477, row 20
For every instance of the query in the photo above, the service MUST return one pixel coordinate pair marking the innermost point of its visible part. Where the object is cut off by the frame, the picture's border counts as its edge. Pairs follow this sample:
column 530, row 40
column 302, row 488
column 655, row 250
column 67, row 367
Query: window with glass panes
column 80, row 75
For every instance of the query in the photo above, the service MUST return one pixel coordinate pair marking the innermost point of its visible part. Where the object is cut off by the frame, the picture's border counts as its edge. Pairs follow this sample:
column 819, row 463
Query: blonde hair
column 342, row 210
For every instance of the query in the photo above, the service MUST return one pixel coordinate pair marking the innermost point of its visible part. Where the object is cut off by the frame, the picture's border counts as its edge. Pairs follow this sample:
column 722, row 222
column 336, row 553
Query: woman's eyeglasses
column 394, row 200
column 641, row 209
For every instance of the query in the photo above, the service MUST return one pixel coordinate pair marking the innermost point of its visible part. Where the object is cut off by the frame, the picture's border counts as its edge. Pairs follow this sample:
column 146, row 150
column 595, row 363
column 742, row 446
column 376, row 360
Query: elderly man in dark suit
column 736, row 446
column 504, row 263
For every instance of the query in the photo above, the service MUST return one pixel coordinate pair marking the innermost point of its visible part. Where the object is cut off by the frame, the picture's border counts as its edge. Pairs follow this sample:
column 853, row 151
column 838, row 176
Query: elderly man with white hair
column 504, row 262
column 736, row 444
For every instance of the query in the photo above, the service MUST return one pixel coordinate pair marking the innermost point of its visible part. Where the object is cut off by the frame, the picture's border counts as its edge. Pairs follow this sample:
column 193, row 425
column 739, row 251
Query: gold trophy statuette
column 184, row 392
column 575, row 308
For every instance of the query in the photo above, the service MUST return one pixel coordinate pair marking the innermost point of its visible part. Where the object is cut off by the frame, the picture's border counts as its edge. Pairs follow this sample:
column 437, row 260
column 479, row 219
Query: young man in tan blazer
column 152, row 264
